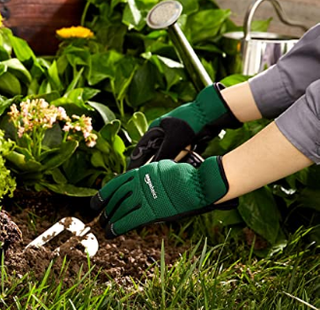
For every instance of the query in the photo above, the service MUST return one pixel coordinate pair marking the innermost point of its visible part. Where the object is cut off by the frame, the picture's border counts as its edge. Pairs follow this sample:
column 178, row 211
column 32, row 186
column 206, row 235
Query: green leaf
column 103, row 145
column 126, row 68
column 58, row 176
column 22, row 164
column 53, row 137
column 77, row 56
column 234, row 79
column 103, row 66
column 22, row 49
column 206, row 24
column 227, row 217
column 261, row 25
column 97, row 160
column 142, row 87
column 9, row 84
column 309, row 198
column 172, row 70
column 78, row 168
column 45, row 87
column 118, row 145
column 5, row 103
column 54, row 76
column 110, row 130
column 78, row 97
column 5, row 43
column 189, row 6
column 59, row 157
column 70, row 190
column 260, row 213
column 132, row 16
column 106, row 114
column 137, row 126
column 75, row 80
column 18, row 69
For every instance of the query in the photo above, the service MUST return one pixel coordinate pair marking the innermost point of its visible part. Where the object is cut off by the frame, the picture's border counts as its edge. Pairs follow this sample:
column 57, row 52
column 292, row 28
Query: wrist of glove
column 193, row 123
column 160, row 191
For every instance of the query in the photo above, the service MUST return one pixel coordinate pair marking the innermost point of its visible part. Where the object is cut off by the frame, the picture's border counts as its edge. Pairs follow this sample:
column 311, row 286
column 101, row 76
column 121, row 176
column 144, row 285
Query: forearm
column 265, row 158
column 241, row 102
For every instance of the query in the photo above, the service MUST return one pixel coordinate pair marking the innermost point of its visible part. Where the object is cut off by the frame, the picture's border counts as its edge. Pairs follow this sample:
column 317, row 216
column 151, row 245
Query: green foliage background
column 123, row 78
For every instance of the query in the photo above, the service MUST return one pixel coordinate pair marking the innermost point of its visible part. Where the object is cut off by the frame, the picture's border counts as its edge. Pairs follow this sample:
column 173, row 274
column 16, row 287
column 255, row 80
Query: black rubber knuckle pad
column 109, row 232
column 96, row 203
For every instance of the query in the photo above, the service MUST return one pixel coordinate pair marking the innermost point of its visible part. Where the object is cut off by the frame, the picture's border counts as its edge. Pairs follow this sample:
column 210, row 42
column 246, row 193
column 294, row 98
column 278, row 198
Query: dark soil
column 133, row 255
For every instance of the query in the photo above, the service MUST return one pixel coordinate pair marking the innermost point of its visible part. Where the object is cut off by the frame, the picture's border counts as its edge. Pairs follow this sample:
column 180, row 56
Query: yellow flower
column 74, row 32
column 1, row 20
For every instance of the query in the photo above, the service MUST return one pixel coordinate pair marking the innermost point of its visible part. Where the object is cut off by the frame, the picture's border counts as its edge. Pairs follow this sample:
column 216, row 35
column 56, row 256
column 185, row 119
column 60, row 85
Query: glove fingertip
column 109, row 231
column 107, row 226
column 96, row 202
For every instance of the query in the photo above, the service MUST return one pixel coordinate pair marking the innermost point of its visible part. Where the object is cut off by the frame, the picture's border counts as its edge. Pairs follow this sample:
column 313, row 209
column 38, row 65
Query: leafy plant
column 45, row 137
column 7, row 181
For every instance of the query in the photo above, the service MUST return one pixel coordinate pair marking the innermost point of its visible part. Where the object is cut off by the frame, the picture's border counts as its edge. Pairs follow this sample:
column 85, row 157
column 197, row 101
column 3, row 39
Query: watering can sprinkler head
column 164, row 15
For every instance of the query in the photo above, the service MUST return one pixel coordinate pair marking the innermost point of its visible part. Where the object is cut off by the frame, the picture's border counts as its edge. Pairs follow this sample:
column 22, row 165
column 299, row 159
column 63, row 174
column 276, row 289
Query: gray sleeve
column 275, row 89
column 300, row 123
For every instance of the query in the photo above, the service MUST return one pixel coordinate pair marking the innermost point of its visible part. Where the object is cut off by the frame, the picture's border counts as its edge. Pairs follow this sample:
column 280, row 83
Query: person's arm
column 267, row 157
column 241, row 102
column 287, row 145
column 164, row 190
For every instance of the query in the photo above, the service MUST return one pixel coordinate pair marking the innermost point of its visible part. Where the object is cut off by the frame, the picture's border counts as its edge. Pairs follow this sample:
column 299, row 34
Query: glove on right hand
column 160, row 191
column 190, row 124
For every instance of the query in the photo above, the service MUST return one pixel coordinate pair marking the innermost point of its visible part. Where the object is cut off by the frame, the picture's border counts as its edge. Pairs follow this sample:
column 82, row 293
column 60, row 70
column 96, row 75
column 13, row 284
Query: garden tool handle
column 181, row 155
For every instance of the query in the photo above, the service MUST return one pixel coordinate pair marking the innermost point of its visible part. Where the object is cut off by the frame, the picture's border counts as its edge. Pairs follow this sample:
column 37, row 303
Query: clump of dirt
column 132, row 255
column 9, row 231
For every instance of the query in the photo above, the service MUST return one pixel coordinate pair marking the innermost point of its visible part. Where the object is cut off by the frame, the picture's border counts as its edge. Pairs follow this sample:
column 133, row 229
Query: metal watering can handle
column 279, row 10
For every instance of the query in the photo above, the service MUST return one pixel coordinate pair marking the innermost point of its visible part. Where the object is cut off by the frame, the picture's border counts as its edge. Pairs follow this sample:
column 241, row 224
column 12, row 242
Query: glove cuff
column 213, row 179
column 228, row 120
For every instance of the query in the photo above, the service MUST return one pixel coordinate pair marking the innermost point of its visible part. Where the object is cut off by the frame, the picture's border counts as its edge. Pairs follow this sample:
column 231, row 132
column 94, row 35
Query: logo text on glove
column 148, row 181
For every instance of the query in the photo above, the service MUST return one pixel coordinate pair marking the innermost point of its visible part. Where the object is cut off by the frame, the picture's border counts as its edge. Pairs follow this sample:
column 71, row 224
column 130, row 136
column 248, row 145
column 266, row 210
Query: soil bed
column 132, row 255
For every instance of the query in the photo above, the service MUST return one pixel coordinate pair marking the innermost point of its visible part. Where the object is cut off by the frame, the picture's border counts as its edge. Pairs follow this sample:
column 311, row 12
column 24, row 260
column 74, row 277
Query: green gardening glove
column 160, row 191
column 193, row 123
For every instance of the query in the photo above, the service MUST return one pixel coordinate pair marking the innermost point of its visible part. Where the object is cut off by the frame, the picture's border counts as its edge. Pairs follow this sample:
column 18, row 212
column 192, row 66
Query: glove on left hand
column 193, row 123
column 160, row 191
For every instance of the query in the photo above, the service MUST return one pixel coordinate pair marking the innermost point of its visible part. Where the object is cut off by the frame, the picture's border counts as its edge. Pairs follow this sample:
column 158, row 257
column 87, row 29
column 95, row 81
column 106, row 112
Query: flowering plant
column 37, row 116
column 45, row 138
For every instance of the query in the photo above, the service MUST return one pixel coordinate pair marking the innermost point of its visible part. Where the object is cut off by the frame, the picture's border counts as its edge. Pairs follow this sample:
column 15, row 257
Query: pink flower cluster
column 82, row 124
column 39, row 115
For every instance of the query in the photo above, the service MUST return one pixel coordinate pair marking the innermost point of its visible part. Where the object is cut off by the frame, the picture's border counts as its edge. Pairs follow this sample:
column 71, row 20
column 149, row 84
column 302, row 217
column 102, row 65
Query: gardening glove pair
column 160, row 191
column 194, row 123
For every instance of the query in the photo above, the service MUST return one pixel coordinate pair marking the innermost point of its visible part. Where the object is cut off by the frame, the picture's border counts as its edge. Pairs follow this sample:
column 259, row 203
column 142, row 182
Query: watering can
column 260, row 50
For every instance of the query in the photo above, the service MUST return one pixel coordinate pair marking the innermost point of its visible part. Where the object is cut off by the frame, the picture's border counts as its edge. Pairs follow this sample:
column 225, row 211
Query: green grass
column 225, row 276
